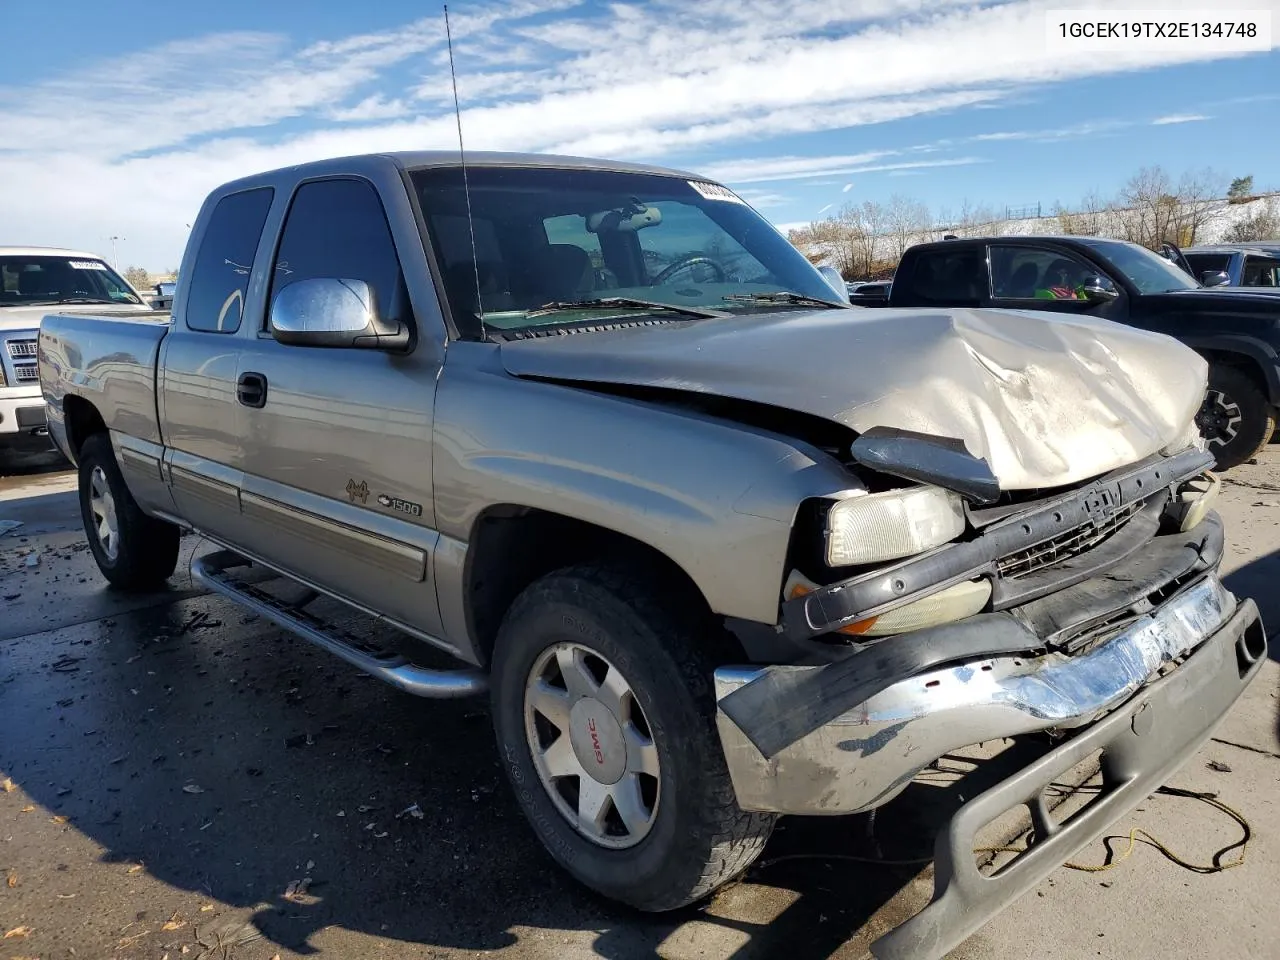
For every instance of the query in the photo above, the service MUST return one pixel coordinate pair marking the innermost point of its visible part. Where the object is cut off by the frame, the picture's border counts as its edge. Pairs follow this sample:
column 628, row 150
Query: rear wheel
column 605, row 716
column 133, row 551
column 1236, row 418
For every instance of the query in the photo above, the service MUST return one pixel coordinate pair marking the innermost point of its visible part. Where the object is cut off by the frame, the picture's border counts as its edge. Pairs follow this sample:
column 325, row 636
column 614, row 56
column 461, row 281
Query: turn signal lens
column 946, row 606
column 876, row 527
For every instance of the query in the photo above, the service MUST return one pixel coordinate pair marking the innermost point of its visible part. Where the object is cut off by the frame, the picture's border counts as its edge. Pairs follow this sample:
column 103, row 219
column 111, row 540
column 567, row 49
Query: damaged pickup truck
column 720, row 547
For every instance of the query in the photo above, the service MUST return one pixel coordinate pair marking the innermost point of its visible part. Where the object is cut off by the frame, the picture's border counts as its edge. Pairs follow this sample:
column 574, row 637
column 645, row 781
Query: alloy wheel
column 592, row 745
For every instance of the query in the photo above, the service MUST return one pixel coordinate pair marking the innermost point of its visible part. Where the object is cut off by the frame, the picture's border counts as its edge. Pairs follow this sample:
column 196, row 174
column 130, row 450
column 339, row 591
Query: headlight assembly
column 876, row 527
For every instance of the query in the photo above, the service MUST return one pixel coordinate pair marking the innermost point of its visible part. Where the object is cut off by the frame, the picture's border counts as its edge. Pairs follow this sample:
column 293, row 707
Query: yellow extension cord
column 1137, row 835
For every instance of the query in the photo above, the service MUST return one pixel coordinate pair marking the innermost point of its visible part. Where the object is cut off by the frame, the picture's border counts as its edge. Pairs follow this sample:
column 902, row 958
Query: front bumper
column 22, row 415
column 1142, row 744
column 869, row 752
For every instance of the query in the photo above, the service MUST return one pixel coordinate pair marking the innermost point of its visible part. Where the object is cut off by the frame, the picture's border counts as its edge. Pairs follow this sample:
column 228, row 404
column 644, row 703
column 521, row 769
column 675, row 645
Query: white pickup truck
column 33, row 279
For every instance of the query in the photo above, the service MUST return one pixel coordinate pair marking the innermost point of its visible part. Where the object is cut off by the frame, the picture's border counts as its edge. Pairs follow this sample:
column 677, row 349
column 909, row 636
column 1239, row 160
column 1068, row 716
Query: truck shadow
column 395, row 808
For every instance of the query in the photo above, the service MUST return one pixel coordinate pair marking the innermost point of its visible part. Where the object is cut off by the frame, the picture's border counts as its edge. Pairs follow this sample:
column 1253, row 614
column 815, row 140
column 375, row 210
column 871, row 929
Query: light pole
column 115, row 256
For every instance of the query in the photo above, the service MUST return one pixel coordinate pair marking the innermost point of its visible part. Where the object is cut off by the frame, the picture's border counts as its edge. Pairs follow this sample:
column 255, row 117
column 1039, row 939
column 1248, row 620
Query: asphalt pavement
column 183, row 779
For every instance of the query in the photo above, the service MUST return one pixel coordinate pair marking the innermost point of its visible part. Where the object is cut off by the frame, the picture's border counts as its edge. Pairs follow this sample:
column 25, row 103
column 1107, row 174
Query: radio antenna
column 466, row 186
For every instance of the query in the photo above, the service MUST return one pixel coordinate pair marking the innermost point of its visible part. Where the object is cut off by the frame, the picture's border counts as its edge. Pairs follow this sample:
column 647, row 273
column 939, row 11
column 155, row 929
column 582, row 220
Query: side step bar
column 211, row 570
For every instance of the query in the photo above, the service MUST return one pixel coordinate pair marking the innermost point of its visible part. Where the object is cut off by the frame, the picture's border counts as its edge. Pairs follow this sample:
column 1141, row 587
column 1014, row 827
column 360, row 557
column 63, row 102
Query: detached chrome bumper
column 868, row 754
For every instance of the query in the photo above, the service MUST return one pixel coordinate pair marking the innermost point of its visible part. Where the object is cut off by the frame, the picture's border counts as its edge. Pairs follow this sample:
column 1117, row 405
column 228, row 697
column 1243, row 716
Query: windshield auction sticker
column 86, row 265
column 1223, row 30
column 713, row 191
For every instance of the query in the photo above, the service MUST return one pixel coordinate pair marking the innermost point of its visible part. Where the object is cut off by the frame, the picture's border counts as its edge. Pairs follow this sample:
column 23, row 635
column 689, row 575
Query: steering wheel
column 684, row 264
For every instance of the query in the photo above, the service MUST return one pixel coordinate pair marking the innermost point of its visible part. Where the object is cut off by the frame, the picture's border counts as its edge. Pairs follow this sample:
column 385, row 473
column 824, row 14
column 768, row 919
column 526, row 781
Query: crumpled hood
column 28, row 318
column 1045, row 399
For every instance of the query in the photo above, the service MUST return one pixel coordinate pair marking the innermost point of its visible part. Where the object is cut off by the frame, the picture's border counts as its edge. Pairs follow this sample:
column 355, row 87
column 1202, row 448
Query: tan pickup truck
column 720, row 547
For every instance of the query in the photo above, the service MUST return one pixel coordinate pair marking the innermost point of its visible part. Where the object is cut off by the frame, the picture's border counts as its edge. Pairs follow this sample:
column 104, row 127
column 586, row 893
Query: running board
column 212, row 571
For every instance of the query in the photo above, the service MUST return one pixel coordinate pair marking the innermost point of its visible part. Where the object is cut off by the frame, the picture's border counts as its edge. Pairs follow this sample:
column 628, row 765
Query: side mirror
column 1215, row 278
column 835, row 281
column 1098, row 289
column 328, row 312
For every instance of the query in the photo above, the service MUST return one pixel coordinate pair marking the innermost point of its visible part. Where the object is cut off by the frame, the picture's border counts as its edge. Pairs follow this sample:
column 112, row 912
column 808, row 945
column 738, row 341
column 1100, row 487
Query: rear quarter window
column 948, row 277
column 220, row 278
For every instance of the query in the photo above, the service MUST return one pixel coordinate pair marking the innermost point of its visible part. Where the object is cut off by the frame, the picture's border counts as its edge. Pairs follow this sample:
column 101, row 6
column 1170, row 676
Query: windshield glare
column 547, row 235
column 47, row 279
column 1149, row 272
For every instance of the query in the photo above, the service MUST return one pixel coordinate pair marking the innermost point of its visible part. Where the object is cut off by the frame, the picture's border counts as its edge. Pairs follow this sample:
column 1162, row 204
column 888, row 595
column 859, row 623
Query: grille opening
column 1064, row 545
column 22, row 348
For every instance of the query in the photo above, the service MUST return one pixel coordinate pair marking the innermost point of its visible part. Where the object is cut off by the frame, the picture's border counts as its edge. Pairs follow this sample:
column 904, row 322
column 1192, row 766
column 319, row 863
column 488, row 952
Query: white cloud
column 846, row 188
column 1178, row 118
column 773, row 169
column 131, row 144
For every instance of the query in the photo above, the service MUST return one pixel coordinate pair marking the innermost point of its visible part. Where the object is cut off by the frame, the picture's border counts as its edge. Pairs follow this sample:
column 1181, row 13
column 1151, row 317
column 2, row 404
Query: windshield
column 28, row 279
column 1149, row 272
column 553, row 236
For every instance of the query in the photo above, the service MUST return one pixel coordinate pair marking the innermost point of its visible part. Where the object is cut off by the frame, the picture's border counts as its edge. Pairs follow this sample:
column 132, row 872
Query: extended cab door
column 335, row 443
column 197, row 367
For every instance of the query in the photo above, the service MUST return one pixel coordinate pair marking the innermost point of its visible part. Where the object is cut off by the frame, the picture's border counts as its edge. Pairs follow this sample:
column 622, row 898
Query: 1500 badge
column 400, row 506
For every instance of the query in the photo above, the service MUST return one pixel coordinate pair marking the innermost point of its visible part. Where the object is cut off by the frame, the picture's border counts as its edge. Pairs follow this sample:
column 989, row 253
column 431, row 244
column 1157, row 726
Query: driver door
column 336, row 441
column 1027, row 277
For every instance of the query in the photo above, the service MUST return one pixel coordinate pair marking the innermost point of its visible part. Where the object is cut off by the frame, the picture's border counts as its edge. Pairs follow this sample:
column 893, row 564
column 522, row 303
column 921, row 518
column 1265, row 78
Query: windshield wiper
column 784, row 296
column 83, row 300
column 625, row 303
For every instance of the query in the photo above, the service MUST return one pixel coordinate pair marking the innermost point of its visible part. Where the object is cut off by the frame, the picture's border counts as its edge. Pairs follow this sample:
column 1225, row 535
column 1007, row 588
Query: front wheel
column 1236, row 418
column 133, row 551
column 605, row 717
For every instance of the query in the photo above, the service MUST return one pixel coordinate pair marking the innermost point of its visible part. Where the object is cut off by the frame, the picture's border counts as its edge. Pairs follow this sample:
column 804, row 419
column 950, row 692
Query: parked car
column 872, row 293
column 1236, row 265
column 721, row 549
column 1235, row 330
column 163, row 300
column 32, row 279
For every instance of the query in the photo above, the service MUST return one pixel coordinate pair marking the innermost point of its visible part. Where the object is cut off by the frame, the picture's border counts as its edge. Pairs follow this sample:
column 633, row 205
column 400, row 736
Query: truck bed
column 107, row 360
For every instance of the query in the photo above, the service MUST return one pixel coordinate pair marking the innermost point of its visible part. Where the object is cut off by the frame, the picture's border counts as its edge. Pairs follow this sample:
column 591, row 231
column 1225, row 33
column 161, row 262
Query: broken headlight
column 875, row 527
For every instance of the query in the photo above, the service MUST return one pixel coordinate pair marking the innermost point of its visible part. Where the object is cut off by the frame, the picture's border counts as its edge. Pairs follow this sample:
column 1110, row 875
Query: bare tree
column 1197, row 204
column 1087, row 221
column 1148, row 208
column 138, row 278
column 907, row 220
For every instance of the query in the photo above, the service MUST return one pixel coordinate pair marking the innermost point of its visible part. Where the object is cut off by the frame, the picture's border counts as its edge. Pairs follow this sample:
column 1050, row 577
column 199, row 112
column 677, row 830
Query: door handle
column 251, row 390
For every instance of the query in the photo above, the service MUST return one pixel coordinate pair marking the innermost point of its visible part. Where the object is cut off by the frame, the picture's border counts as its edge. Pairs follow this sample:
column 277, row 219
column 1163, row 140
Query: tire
column 1236, row 419
column 697, row 837
column 141, row 552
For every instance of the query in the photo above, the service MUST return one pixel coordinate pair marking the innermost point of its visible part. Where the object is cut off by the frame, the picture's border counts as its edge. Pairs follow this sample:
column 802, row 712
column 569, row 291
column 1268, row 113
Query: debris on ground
column 8, row 525
column 412, row 810
column 33, row 560
column 28, row 808
column 173, row 923
column 8, row 785
column 193, row 788
column 11, row 878
column 60, row 818
column 19, row 932
column 66, row 663
column 136, row 868
column 1219, row 766
column 297, row 892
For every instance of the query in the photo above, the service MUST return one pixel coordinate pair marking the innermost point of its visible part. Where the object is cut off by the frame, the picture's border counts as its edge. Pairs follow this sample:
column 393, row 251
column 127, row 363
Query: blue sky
column 116, row 119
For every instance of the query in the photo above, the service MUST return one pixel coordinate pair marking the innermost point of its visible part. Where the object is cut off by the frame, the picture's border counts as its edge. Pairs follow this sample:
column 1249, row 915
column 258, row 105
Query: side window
column 1260, row 272
column 1025, row 273
column 955, row 277
column 337, row 229
column 220, row 278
